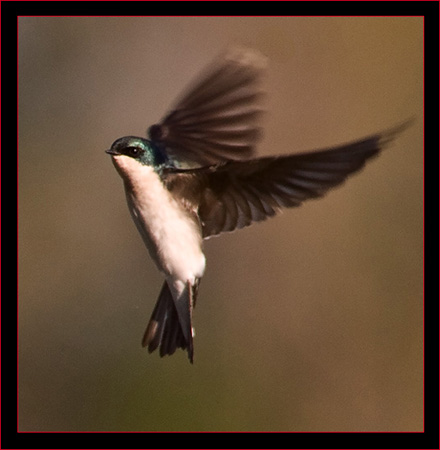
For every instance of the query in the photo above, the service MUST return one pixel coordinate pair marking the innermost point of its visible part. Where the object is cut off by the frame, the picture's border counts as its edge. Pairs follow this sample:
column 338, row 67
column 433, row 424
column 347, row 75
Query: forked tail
column 170, row 325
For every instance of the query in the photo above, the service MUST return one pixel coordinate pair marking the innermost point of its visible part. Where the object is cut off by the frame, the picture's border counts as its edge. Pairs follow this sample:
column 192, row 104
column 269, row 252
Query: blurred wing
column 217, row 120
column 236, row 194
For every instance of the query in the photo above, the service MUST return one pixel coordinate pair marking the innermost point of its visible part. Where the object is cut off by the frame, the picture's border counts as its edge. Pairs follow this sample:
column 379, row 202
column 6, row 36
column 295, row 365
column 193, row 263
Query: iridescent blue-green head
column 144, row 151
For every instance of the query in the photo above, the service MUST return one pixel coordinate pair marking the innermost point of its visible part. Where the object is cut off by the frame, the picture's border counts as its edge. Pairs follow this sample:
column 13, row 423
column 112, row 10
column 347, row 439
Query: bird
column 196, row 176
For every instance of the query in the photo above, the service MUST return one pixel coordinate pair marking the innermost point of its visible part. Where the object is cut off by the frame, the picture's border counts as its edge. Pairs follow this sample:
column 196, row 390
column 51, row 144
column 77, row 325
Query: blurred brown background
column 308, row 322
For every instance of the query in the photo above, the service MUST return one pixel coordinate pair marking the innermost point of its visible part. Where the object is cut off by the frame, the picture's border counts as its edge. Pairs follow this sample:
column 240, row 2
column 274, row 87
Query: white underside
column 171, row 236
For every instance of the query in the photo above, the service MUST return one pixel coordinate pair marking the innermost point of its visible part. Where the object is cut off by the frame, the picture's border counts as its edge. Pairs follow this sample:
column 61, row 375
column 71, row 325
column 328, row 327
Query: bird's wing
column 235, row 194
column 217, row 120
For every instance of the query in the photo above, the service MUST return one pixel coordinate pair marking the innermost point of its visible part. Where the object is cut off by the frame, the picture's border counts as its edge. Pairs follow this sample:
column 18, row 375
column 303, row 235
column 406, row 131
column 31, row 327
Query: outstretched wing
column 217, row 120
column 236, row 194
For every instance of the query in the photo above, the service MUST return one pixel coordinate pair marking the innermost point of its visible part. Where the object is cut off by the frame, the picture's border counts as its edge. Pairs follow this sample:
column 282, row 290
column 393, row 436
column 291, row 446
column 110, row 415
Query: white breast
column 170, row 234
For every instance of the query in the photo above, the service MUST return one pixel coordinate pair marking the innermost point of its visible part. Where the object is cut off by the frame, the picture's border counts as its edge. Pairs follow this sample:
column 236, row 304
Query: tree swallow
column 195, row 178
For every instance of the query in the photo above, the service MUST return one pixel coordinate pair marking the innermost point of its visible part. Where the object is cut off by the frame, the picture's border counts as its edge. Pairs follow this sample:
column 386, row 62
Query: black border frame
column 10, row 438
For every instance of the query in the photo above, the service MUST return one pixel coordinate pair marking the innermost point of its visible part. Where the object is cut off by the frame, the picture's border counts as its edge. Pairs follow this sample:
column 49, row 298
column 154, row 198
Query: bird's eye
column 133, row 151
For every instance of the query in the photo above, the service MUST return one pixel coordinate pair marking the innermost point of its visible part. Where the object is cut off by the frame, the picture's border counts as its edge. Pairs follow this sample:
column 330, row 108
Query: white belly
column 170, row 234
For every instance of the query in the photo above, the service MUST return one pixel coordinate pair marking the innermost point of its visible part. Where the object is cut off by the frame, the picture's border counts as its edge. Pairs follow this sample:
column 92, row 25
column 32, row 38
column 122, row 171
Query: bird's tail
column 170, row 325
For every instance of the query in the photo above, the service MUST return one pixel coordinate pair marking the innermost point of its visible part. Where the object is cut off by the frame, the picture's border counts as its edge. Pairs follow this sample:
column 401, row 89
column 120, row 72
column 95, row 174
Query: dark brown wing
column 235, row 194
column 217, row 120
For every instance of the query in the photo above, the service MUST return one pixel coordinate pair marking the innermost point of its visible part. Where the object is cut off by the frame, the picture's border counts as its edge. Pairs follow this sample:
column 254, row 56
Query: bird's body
column 171, row 232
column 223, row 189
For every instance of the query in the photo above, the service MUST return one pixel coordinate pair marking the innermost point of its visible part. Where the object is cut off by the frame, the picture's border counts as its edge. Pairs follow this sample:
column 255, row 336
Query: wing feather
column 235, row 194
column 218, row 119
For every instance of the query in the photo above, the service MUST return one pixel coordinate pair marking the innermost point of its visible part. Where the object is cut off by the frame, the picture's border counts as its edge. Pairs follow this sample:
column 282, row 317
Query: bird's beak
column 112, row 152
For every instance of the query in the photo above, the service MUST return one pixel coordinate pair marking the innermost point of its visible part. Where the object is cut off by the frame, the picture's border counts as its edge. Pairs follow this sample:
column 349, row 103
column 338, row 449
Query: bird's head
column 140, row 149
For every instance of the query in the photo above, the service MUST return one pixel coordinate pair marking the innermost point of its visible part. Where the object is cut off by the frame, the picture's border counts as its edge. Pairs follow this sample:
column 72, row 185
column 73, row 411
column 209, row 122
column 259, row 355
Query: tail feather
column 170, row 325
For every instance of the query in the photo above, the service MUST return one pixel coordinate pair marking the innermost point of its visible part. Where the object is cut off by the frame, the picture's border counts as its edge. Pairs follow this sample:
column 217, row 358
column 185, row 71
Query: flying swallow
column 196, row 176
